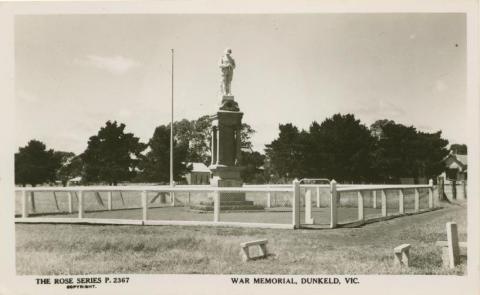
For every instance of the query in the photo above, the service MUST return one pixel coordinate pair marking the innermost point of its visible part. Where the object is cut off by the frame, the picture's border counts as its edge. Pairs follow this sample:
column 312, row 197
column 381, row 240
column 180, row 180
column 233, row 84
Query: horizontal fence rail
column 280, row 199
column 153, row 189
column 373, row 190
column 368, row 187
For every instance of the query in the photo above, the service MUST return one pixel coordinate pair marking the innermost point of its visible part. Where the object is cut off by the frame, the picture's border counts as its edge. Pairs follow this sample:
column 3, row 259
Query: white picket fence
column 294, row 190
column 374, row 189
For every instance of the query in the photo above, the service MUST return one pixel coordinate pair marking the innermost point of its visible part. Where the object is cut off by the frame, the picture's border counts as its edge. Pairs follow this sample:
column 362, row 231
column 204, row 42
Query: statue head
column 228, row 51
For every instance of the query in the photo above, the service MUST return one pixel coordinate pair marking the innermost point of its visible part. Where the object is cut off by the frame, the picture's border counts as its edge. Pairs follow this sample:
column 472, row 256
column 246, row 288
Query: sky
column 75, row 72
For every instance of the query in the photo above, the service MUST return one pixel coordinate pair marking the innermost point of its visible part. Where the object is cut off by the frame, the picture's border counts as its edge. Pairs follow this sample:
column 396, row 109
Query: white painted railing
column 144, row 190
column 335, row 191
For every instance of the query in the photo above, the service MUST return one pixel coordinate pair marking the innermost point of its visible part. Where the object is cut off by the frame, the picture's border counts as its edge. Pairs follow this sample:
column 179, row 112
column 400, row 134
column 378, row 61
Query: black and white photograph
column 323, row 151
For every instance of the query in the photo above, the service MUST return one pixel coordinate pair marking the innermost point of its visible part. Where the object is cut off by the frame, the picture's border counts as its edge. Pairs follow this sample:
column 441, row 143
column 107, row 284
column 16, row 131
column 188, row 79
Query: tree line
column 340, row 148
column 344, row 149
column 114, row 155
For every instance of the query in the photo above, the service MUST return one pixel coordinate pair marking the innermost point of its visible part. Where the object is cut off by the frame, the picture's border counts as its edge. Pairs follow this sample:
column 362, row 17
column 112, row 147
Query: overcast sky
column 75, row 72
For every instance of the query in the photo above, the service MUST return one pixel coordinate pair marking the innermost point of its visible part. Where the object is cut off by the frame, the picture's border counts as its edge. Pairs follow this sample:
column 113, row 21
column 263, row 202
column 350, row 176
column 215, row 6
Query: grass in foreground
column 47, row 249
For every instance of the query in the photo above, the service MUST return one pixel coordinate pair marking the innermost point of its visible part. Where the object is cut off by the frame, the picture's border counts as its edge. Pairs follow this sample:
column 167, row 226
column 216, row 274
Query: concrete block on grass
column 402, row 255
column 245, row 247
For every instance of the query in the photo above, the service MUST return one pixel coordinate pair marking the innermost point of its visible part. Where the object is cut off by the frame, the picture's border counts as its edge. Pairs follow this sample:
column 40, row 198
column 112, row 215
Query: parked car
column 314, row 181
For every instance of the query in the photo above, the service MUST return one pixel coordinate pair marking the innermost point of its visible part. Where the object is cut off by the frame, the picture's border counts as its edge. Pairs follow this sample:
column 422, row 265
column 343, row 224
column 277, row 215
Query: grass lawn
column 49, row 249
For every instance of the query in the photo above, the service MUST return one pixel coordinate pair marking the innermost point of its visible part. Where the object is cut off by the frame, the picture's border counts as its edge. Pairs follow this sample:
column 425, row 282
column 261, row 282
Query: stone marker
column 360, row 205
column 453, row 249
column 333, row 203
column 245, row 249
column 402, row 255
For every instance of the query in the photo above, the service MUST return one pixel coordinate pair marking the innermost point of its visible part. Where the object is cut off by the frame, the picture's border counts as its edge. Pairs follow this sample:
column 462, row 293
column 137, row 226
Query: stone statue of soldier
column 227, row 65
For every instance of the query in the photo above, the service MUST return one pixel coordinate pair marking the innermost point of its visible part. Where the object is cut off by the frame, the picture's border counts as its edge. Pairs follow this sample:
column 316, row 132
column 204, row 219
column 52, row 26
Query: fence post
column 109, row 201
column 296, row 204
column 454, row 189
column 464, row 185
column 430, row 194
column 269, row 198
column 80, row 204
column 32, row 201
column 70, row 203
column 333, row 204
column 384, row 203
column 374, row 199
column 318, row 196
column 56, row 200
column 417, row 200
column 216, row 206
column 172, row 194
column 401, row 198
column 441, row 188
column 361, row 216
column 144, row 205
column 308, row 207
column 24, row 204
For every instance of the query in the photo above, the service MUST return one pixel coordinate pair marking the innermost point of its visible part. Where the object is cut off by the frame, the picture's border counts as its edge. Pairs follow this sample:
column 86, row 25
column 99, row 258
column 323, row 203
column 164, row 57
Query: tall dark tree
column 112, row 155
column 251, row 162
column 431, row 150
column 402, row 151
column 287, row 153
column 34, row 164
column 340, row 148
column 156, row 164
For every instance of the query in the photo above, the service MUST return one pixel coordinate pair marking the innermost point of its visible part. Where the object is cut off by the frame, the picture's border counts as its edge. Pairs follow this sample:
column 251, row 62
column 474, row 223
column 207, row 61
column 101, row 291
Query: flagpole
column 171, row 129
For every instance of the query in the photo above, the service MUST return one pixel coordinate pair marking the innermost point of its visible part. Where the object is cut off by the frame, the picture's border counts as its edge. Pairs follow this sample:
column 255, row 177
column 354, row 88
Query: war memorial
column 226, row 145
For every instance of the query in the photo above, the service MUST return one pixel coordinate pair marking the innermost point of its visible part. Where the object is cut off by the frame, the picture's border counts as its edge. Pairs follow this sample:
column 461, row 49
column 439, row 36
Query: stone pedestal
column 226, row 153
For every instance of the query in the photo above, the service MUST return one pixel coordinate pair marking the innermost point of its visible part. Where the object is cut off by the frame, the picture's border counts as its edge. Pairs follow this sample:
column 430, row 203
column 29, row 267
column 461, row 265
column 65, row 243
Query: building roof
column 198, row 167
column 455, row 161
column 462, row 158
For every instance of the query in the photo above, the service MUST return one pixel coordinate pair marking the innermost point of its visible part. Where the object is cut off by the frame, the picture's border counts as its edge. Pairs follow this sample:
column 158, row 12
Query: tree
column 71, row 167
column 112, row 155
column 431, row 150
column 340, row 148
column 200, row 144
column 34, row 164
column 62, row 158
column 196, row 136
column 156, row 164
column 377, row 127
column 286, row 153
column 402, row 151
column 246, row 133
column 251, row 162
